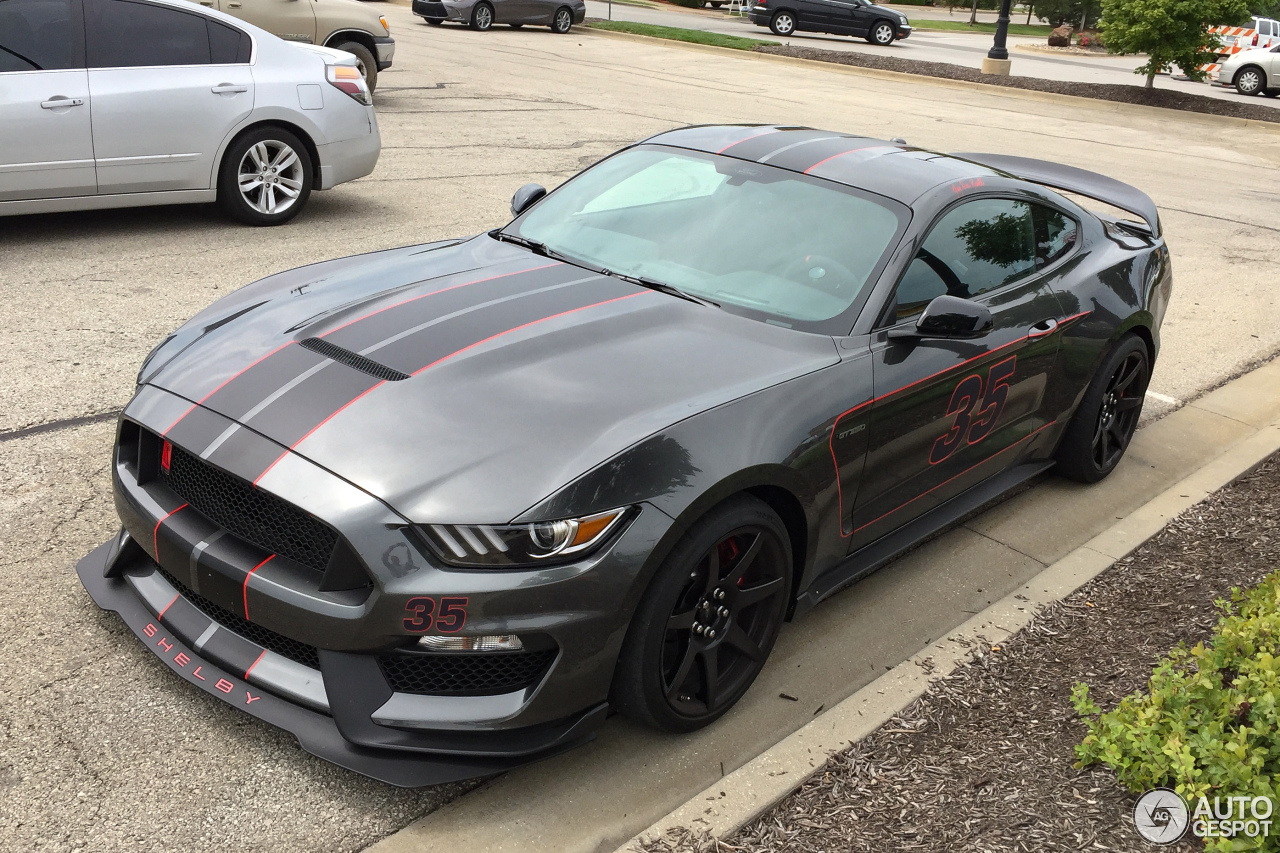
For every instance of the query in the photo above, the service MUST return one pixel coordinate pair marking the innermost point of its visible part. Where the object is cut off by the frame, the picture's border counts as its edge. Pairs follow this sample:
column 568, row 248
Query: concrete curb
column 1073, row 101
column 762, row 783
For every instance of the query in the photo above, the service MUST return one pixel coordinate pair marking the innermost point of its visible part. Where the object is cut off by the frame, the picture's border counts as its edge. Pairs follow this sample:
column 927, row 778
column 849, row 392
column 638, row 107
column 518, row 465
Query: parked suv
column 863, row 18
column 343, row 24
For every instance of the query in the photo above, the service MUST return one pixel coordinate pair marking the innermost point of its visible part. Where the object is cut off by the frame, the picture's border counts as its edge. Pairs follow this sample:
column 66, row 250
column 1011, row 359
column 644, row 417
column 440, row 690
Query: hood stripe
column 225, row 381
column 443, row 358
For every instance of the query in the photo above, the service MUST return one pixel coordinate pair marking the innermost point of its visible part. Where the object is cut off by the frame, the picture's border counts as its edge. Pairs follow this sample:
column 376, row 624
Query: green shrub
column 1209, row 724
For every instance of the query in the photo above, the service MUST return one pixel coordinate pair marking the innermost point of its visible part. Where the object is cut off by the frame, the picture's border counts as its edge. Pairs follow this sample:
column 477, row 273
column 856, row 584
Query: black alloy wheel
column 881, row 33
column 563, row 20
column 482, row 17
column 1250, row 81
column 783, row 23
column 1118, row 415
column 709, row 620
column 1104, row 424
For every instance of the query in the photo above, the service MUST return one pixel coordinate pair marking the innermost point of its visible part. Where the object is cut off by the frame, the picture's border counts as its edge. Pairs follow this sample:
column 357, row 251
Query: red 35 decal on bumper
column 446, row 615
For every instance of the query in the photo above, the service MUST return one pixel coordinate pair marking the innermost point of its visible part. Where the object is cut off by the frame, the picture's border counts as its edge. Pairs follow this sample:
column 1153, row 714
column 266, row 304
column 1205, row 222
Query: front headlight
column 510, row 545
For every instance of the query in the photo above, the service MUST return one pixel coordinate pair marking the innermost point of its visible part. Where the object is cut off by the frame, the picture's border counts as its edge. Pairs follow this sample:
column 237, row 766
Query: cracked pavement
column 101, row 748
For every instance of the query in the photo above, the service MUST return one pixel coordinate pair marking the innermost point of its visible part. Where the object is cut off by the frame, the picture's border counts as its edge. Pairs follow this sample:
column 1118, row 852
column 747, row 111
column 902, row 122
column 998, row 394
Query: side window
column 124, row 34
column 37, row 35
column 227, row 45
column 1055, row 235
column 979, row 246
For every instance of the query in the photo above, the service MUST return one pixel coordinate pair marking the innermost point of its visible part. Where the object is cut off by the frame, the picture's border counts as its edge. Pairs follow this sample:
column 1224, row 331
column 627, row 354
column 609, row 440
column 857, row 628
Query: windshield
column 751, row 237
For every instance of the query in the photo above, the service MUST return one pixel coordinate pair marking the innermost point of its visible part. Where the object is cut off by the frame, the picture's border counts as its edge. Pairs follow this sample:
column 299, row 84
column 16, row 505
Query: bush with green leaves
column 1170, row 32
column 1209, row 724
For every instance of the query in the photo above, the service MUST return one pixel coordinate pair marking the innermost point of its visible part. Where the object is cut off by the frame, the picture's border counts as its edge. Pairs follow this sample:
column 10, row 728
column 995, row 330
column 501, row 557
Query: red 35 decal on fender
column 447, row 615
column 967, row 426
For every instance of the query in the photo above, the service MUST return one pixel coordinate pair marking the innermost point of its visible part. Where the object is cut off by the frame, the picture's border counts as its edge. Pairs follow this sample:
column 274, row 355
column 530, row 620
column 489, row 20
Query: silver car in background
column 559, row 15
column 123, row 103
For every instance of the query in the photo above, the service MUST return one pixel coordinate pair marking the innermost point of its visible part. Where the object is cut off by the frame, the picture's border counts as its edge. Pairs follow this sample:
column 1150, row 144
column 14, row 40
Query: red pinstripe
column 155, row 534
column 245, row 590
column 161, row 614
column 844, row 153
column 224, row 382
column 255, row 663
column 765, row 132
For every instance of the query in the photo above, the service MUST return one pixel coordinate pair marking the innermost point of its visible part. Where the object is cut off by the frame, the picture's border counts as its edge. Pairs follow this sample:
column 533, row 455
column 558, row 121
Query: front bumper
column 903, row 30
column 436, row 10
column 386, row 48
column 340, row 728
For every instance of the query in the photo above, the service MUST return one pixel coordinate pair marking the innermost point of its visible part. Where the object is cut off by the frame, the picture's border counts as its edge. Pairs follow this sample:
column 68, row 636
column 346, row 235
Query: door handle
column 234, row 5
column 58, row 101
column 228, row 89
column 1044, row 327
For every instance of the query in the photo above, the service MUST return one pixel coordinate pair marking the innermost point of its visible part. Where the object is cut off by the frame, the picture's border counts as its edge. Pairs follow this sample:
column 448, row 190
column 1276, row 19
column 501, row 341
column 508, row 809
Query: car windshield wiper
column 663, row 287
column 532, row 245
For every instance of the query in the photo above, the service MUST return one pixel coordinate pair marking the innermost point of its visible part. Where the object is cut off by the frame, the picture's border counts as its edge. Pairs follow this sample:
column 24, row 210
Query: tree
column 1059, row 12
column 1169, row 32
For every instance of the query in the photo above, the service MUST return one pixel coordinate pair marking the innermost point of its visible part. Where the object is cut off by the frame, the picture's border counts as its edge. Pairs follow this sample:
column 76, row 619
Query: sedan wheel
column 881, row 33
column 1108, row 415
column 1250, row 81
column 482, row 17
column 709, row 620
column 563, row 21
column 266, row 177
column 783, row 24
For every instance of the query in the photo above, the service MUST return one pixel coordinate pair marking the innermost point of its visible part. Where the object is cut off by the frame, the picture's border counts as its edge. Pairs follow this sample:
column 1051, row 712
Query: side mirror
column 951, row 317
column 526, row 196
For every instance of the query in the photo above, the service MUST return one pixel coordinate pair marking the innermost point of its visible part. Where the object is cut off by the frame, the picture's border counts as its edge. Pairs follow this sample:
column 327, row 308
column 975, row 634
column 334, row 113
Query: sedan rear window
column 754, row 238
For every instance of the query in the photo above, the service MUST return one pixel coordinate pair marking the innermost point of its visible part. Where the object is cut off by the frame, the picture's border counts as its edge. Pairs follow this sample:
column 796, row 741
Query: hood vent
column 353, row 359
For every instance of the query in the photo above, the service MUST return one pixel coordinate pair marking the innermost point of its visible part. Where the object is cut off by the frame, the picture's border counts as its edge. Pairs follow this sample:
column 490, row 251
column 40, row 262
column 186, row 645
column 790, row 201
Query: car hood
column 465, row 382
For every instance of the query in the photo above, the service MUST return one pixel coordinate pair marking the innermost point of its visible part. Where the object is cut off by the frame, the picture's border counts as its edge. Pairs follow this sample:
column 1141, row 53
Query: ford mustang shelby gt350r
column 436, row 509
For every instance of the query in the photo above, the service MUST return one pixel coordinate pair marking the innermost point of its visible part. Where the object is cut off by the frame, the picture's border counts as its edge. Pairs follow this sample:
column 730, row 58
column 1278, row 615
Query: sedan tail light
column 348, row 79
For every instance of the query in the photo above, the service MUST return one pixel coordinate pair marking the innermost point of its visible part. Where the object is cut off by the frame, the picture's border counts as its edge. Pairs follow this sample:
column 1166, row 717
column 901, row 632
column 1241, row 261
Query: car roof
column 890, row 168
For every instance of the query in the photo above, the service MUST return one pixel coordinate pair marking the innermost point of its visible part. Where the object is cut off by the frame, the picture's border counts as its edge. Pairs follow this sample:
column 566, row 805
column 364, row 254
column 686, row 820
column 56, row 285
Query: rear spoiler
column 1073, row 180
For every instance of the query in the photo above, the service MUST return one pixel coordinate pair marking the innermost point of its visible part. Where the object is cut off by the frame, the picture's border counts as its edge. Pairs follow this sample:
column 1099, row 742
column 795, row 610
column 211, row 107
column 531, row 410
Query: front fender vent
column 352, row 359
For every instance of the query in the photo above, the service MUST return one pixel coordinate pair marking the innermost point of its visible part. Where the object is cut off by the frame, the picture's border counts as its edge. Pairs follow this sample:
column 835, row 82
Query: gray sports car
column 436, row 510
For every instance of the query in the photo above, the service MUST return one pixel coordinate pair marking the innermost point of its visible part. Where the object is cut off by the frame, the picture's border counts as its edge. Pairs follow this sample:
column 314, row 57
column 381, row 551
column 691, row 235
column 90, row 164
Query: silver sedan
column 123, row 103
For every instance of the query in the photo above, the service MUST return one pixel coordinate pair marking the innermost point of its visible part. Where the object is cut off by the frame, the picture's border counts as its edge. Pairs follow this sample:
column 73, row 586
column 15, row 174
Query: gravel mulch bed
column 983, row 761
column 1136, row 94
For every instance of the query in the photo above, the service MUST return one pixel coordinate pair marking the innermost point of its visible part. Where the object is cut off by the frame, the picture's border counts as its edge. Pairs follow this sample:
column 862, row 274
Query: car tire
column 1103, row 425
column 715, row 5
column 260, row 204
column 482, row 17
column 562, row 20
column 882, row 33
column 1250, row 80
column 708, row 620
column 783, row 23
column 365, row 60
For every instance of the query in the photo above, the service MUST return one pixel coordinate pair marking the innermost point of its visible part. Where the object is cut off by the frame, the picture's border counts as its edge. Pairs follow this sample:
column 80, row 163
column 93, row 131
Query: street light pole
column 997, row 60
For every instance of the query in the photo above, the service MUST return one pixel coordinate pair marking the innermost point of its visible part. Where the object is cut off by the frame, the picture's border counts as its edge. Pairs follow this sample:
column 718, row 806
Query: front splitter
column 317, row 733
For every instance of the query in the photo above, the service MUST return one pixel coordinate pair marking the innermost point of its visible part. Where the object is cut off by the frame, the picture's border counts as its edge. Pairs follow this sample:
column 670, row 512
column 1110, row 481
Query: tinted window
column 36, row 35
column 977, row 247
column 122, row 34
column 1055, row 234
column 227, row 44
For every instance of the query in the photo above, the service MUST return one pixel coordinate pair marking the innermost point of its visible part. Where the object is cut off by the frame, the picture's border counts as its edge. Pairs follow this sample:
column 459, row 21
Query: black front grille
column 265, row 637
column 465, row 674
column 353, row 360
column 253, row 515
column 430, row 8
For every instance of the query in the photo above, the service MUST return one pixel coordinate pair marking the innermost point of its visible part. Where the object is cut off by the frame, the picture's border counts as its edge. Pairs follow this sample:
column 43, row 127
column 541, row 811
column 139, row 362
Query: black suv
column 876, row 24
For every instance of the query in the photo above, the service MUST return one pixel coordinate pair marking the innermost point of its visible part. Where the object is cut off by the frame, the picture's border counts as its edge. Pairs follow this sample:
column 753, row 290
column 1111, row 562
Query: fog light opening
column 490, row 643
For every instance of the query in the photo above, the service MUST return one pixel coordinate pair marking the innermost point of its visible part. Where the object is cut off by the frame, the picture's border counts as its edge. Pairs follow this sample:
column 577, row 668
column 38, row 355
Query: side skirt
column 877, row 554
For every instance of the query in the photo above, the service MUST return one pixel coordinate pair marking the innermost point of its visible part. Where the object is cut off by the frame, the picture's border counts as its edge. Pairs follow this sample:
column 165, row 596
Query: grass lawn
column 981, row 27
column 678, row 34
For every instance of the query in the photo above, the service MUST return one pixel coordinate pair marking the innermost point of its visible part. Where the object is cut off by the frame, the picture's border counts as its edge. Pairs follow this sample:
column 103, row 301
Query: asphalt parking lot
column 102, row 749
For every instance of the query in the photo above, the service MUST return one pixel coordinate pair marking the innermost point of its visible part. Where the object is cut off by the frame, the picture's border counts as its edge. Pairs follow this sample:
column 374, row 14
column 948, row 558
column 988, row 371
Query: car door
column 291, row 20
column 948, row 413
column 168, row 86
column 842, row 16
column 814, row 15
column 46, row 140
